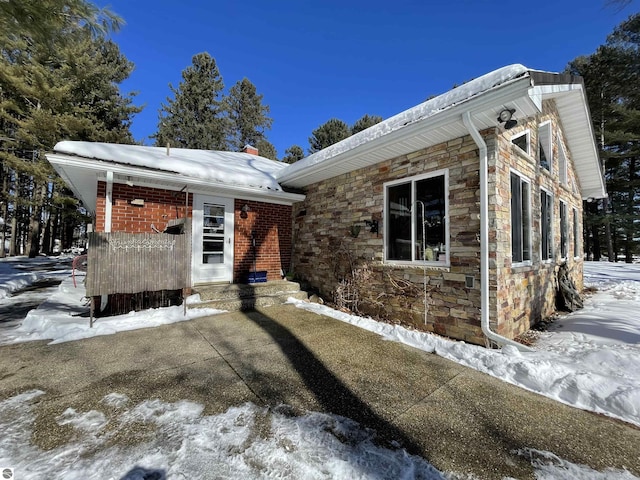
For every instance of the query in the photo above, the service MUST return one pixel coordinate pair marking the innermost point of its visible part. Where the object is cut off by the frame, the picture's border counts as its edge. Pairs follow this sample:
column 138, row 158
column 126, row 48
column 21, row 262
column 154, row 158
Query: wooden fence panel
column 137, row 262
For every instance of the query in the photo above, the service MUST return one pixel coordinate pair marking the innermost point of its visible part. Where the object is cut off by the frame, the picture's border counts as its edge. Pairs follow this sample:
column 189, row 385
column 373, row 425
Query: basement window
column 416, row 212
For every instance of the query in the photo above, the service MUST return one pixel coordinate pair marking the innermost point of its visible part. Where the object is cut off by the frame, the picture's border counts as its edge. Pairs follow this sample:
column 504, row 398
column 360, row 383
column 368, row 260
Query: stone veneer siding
column 523, row 294
column 520, row 295
column 322, row 236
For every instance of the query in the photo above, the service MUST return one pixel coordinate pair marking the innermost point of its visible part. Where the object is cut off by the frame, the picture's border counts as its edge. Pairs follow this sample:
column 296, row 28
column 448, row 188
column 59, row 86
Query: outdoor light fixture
column 244, row 210
column 373, row 225
column 506, row 116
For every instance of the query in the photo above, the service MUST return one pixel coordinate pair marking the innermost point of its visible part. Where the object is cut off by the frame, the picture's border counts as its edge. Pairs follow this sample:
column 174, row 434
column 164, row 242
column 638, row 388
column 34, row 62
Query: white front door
column 212, row 239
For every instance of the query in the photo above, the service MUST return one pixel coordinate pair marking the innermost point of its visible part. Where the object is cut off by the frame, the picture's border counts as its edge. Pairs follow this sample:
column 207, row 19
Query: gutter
column 484, row 240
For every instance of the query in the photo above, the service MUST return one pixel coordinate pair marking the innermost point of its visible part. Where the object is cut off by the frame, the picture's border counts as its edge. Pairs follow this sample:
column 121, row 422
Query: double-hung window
column 416, row 212
column 564, row 230
column 546, row 225
column 520, row 219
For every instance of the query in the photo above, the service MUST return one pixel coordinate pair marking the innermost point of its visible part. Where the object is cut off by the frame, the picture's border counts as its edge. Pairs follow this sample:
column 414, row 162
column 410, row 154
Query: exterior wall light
column 506, row 116
column 244, row 211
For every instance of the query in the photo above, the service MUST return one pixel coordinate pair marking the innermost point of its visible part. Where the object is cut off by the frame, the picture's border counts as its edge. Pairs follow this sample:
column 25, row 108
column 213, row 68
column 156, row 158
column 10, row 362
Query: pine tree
column 293, row 154
column 193, row 118
column 365, row 122
column 327, row 134
column 266, row 149
column 610, row 76
column 48, row 94
column 249, row 118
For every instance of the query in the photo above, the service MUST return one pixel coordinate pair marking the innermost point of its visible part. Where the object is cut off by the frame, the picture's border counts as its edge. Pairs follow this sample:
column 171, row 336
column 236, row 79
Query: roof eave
column 65, row 164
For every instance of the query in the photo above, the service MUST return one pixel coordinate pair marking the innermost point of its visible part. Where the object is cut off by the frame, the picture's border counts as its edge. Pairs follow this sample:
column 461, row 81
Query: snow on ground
column 64, row 316
column 589, row 359
column 246, row 441
column 20, row 272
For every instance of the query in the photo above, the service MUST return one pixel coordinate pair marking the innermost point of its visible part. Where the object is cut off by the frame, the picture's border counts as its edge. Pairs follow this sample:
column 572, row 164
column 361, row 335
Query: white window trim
column 416, row 178
column 525, row 179
column 526, row 132
column 550, row 145
column 552, row 232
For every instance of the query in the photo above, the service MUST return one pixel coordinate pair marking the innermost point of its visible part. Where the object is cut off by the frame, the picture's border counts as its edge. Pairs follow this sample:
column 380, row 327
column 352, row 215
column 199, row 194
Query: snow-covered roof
column 435, row 121
column 440, row 119
column 234, row 174
column 232, row 168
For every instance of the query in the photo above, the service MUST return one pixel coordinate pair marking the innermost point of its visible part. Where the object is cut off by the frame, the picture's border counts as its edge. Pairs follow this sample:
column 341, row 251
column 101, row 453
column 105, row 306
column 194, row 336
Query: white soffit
column 576, row 123
column 440, row 127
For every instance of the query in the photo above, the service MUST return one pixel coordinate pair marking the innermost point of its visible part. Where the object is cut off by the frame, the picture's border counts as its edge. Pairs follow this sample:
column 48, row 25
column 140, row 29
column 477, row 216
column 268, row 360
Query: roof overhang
column 82, row 175
column 524, row 93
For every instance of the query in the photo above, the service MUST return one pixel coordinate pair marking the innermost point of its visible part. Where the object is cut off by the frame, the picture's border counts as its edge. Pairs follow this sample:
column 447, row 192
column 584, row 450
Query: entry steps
column 236, row 296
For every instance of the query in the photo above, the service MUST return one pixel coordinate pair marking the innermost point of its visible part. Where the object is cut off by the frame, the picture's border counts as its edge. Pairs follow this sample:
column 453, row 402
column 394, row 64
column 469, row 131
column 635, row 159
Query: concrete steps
column 234, row 297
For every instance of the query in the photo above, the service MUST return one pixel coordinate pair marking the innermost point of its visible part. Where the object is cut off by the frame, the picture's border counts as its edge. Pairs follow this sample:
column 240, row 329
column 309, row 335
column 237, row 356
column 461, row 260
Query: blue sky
column 316, row 60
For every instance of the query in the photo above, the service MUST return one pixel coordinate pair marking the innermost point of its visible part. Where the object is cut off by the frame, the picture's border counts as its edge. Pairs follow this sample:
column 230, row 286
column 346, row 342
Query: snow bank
column 64, row 317
column 589, row 360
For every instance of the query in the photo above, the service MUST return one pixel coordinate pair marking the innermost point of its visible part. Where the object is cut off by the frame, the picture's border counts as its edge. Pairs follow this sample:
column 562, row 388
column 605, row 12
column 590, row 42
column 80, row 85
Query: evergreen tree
column 611, row 78
column 266, row 149
column 193, row 118
column 365, row 122
column 327, row 134
column 293, row 154
column 47, row 94
column 249, row 118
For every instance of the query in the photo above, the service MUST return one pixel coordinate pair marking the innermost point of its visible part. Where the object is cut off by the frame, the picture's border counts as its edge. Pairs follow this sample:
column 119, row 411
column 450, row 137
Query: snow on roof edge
column 228, row 168
column 419, row 112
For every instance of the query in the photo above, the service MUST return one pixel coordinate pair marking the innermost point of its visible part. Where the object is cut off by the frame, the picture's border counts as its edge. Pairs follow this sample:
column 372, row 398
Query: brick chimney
column 250, row 150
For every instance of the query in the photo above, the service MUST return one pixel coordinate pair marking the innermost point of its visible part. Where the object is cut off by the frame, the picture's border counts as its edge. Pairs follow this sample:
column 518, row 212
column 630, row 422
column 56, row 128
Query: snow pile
column 64, row 317
column 179, row 442
column 174, row 440
column 17, row 273
column 590, row 360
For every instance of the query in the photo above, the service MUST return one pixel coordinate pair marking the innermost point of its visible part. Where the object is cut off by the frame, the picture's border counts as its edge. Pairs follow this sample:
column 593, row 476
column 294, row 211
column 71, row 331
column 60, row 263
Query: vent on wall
column 469, row 281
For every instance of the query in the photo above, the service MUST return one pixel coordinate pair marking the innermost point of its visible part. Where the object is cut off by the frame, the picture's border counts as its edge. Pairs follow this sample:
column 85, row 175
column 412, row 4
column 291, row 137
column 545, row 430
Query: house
column 232, row 198
column 452, row 216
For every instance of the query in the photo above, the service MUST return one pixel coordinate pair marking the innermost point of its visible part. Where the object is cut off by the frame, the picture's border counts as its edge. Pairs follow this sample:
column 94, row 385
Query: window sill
column 438, row 266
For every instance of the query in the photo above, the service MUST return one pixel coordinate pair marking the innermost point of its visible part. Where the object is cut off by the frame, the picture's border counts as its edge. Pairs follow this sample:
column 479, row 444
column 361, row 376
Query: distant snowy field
column 590, row 359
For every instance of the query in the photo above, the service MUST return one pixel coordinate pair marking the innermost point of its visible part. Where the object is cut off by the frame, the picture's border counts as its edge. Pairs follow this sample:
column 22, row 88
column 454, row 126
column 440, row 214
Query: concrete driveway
column 458, row 419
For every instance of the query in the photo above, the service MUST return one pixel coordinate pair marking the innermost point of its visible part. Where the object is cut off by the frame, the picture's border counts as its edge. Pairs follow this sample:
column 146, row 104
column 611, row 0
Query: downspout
column 108, row 206
column 484, row 239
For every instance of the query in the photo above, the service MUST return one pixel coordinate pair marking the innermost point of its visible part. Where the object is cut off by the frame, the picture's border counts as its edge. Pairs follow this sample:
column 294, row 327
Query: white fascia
column 334, row 155
column 173, row 181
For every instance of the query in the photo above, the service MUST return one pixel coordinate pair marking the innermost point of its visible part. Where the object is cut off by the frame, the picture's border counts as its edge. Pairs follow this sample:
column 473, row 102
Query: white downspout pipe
column 484, row 240
column 108, row 206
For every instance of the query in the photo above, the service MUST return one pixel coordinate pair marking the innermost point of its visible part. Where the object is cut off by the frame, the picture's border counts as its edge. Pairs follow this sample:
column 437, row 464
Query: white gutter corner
column 484, row 240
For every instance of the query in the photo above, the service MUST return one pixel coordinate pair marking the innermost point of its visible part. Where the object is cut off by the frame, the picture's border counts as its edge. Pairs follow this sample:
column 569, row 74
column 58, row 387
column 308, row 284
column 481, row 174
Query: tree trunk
column 607, row 230
column 35, row 222
column 13, row 243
